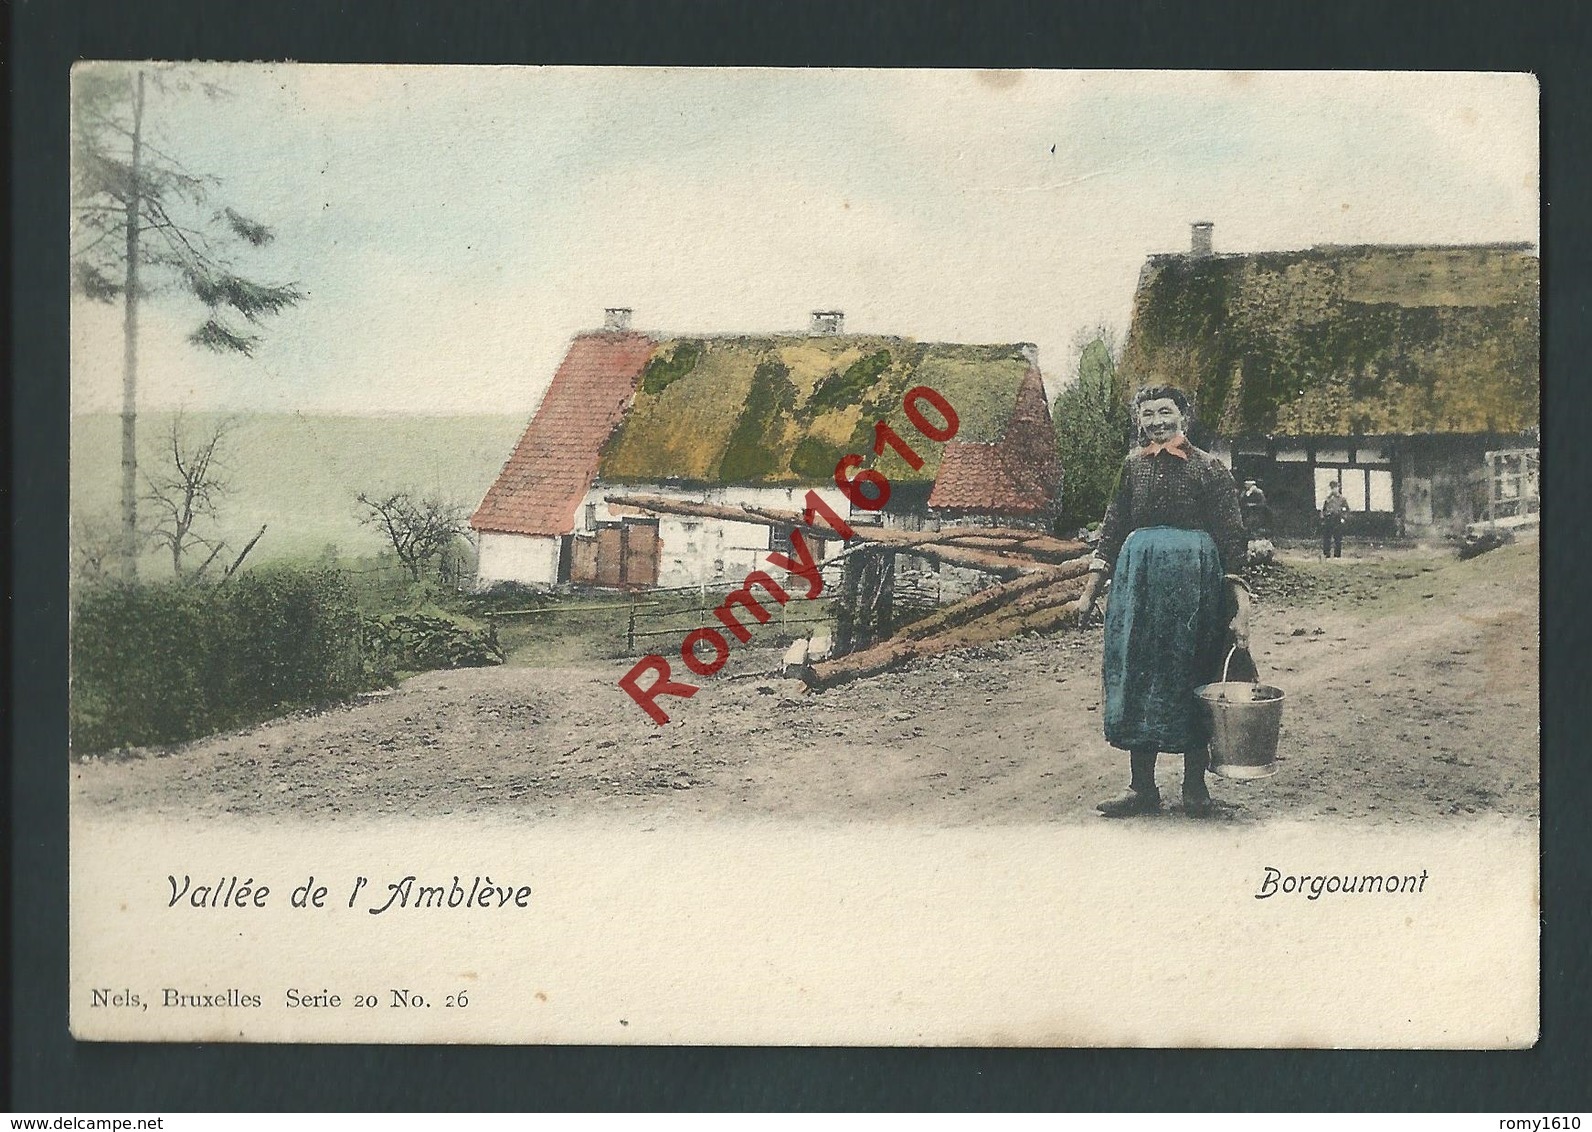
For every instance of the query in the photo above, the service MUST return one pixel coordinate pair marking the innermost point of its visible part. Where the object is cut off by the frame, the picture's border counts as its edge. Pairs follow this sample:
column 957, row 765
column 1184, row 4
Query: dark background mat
column 50, row 1072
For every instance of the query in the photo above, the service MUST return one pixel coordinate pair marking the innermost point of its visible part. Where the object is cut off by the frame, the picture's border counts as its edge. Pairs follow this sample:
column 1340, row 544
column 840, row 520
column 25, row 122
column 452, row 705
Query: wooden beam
column 1003, row 565
column 1052, row 608
column 1043, row 547
column 981, row 603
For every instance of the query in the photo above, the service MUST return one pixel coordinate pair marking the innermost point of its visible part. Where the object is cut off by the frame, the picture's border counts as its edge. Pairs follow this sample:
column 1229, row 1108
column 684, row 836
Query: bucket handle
column 1228, row 663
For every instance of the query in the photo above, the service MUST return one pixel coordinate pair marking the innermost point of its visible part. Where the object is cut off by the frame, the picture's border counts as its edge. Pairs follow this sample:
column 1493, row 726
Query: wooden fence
column 669, row 612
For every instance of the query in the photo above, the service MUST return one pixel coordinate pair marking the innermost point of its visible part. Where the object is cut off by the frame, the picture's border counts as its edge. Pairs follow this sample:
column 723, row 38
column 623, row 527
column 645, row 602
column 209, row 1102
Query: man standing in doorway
column 1333, row 512
column 1253, row 502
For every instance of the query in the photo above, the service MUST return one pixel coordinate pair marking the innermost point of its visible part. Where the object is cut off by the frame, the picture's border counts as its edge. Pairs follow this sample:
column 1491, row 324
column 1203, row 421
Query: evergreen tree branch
column 213, row 335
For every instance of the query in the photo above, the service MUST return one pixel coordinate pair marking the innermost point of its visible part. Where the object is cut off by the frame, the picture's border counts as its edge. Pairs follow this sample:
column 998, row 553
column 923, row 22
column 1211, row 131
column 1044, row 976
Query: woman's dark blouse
column 1197, row 493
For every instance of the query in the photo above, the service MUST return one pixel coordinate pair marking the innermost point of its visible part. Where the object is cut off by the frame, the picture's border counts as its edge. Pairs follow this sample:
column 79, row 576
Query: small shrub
column 416, row 642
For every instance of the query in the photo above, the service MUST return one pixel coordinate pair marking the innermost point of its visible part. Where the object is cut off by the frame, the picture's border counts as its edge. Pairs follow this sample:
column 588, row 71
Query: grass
column 579, row 628
column 299, row 473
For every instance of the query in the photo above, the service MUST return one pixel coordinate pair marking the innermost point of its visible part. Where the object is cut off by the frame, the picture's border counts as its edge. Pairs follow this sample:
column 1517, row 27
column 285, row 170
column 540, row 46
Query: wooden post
column 846, row 607
column 1492, row 486
column 886, row 615
column 867, row 587
column 630, row 631
column 868, row 602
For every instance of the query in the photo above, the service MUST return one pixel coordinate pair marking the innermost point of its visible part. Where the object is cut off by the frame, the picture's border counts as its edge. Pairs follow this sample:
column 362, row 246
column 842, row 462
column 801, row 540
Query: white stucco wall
column 705, row 551
column 528, row 559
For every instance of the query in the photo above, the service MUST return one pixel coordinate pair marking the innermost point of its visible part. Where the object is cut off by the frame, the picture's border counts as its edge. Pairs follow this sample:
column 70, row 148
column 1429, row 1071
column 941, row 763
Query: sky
column 454, row 227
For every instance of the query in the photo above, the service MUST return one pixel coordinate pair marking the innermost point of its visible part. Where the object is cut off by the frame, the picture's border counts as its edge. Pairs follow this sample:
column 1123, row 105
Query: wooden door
column 610, row 556
column 583, row 560
column 641, row 552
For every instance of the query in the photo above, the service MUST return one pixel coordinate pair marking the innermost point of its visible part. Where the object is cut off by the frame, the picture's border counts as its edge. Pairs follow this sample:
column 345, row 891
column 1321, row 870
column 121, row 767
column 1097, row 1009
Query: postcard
column 792, row 557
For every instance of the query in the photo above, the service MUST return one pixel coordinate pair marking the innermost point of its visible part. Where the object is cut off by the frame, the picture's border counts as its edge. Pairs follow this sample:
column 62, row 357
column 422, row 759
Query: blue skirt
column 1165, row 623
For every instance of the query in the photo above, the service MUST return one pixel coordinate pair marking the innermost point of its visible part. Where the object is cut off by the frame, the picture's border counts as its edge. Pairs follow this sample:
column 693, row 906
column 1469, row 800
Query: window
column 1326, row 477
column 591, row 516
column 1365, row 489
column 1512, row 483
column 1379, row 490
column 779, row 540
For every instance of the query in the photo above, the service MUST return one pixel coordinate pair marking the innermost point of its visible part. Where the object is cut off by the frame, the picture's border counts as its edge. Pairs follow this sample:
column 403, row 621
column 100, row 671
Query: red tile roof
column 555, row 462
column 1019, row 474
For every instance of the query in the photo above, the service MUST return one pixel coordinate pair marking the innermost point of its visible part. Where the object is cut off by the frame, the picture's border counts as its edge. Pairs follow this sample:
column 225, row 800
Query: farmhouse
column 756, row 420
column 1395, row 369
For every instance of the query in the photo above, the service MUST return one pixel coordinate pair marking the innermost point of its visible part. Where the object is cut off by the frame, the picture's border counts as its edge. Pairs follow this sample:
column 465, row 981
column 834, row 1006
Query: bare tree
column 141, row 217
column 185, row 492
column 458, row 562
column 420, row 529
column 96, row 547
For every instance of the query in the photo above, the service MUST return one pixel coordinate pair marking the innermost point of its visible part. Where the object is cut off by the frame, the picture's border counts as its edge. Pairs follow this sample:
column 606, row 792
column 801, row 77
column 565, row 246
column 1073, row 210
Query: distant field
column 300, row 473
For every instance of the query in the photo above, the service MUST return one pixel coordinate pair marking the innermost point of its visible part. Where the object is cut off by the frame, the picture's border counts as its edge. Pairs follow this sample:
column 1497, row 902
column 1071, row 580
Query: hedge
column 159, row 664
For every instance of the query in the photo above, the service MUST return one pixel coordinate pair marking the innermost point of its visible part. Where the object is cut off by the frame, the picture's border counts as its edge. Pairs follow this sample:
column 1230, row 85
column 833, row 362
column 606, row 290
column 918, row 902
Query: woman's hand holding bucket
column 1085, row 604
column 1240, row 622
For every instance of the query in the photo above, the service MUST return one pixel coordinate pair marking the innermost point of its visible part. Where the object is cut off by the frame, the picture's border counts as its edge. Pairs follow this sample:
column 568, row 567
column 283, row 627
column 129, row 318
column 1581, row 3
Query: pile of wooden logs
column 1042, row 576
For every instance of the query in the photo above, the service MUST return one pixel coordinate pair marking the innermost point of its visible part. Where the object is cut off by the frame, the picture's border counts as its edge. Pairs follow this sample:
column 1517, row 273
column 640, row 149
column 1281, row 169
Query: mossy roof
column 782, row 409
column 1345, row 340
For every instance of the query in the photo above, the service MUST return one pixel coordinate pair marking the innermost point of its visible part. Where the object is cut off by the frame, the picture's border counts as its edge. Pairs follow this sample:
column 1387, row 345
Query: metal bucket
column 1245, row 720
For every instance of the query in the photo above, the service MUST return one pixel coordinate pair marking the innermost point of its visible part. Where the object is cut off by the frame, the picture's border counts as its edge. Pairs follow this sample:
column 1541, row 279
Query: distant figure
column 1253, row 501
column 1333, row 512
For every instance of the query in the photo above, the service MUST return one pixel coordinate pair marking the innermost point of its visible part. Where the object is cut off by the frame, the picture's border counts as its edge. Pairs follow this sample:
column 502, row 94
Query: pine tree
column 143, row 221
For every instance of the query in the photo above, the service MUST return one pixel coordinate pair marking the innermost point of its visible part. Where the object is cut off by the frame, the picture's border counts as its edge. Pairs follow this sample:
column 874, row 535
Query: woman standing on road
column 1173, row 541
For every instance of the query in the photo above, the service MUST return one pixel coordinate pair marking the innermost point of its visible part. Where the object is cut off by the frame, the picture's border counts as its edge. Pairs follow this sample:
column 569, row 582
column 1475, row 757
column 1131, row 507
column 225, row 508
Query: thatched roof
column 1344, row 340
column 782, row 409
column 629, row 408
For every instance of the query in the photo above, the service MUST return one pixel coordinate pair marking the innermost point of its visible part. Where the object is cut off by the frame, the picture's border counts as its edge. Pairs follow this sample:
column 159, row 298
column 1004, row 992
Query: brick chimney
column 827, row 322
column 1200, row 242
column 616, row 318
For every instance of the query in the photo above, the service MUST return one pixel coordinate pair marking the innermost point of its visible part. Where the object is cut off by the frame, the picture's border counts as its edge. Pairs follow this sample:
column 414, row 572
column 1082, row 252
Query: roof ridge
column 1337, row 249
column 555, row 460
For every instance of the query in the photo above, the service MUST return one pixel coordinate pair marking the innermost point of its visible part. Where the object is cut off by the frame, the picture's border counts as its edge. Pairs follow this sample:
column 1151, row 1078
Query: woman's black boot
column 1142, row 797
column 1196, row 798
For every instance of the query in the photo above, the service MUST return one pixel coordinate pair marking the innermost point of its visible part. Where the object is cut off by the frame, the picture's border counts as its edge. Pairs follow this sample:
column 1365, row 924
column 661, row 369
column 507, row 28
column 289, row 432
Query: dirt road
column 1412, row 697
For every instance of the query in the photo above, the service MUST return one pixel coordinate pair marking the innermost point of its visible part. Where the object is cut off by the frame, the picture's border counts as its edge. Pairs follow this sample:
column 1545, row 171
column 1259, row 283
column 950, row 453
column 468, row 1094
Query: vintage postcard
column 600, row 555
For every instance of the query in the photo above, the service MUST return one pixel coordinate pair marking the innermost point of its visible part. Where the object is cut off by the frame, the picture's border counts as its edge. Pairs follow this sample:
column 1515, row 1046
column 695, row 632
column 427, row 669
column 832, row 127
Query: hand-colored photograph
column 627, row 555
